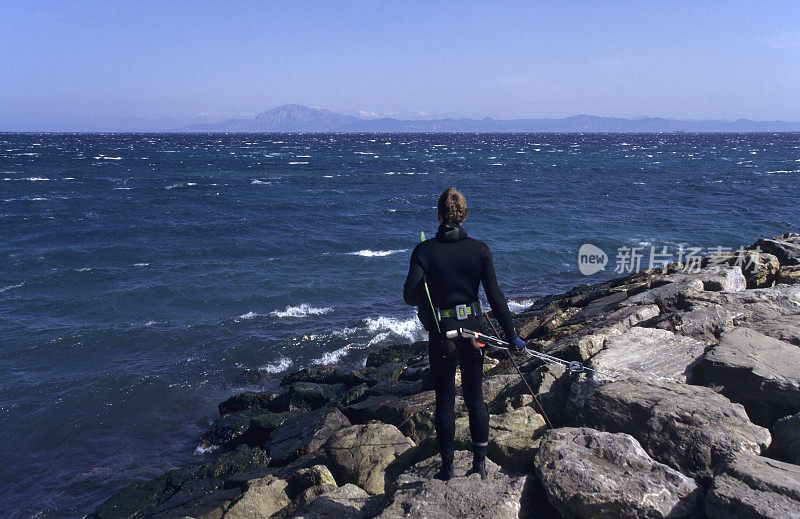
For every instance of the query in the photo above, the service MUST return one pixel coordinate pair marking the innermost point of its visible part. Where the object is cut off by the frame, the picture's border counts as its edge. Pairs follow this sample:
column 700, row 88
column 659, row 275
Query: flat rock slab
column 785, row 247
column 690, row 428
column 755, row 487
column 649, row 352
column 348, row 501
column 419, row 494
column 305, row 434
column 360, row 454
column 760, row 372
column 588, row 473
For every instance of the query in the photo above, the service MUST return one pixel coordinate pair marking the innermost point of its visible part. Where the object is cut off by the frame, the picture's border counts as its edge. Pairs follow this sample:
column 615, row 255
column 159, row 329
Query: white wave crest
column 520, row 304
column 36, row 179
column 392, row 328
column 332, row 357
column 248, row 315
column 375, row 253
column 9, row 287
column 300, row 310
column 278, row 366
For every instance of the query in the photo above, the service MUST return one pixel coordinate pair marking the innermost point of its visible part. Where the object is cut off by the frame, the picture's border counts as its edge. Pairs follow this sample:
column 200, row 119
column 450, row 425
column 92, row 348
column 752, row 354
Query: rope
column 511, row 358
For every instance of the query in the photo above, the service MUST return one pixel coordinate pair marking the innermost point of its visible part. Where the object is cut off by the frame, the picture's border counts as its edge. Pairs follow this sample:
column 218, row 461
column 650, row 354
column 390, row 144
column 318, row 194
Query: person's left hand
column 517, row 344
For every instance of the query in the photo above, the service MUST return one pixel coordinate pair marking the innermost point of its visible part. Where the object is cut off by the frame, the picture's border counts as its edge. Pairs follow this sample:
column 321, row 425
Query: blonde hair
column 452, row 206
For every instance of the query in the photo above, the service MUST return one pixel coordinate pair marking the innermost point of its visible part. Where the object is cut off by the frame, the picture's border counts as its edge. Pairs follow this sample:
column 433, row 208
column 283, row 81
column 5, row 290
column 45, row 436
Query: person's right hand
column 517, row 344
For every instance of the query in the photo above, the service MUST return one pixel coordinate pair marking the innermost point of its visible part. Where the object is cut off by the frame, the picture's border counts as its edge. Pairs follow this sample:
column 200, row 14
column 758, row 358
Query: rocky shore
column 694, row 412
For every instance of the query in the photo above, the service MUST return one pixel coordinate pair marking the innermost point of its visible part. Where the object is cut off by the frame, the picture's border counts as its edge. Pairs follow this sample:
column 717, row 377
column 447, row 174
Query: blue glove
column 516, row 344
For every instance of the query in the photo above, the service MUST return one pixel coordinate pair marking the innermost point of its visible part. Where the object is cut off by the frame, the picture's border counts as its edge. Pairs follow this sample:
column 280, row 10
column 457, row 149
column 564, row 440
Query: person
column 453, row 266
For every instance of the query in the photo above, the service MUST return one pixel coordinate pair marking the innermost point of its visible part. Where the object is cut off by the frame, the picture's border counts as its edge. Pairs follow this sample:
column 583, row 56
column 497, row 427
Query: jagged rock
column 703, row 322
column 418, row 494
column 360, row 454
column 404, row 354
column 228, row 430
column 789, row 275
column 184, row 486
column 502, row 386
column 198, row 506
column 301, row 480
column 587, row 473
column 325, row 375
column 348, row 501
column 760, row 372
column 584, row 344
column 759, row 269
column 786, row 439
column 398, row 388
column 690, row 428
column 755, row 487
column 413, row 415
column 785, row 247
column 513, row 438
column 262, row 498
column 307, row 396
column 785, row 328
column 552, row 383
column 752, row 306
column 274, row 401
column 726, row 279
column 669, row 295
column 307, row 433
column 649, row 352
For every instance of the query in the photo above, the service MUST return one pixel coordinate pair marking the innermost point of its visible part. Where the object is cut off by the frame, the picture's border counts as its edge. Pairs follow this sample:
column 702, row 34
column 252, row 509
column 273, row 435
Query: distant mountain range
column 299, row 118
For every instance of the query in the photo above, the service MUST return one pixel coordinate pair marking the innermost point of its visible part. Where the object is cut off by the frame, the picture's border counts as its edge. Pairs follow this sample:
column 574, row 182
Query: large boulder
column 262, row 498
column 649, row 352
column 785, row 247
column 196, row 486
column 513, row 438
column 758, row 268
column 588, row 473
column 751, row 306
column 413, row 414
column 690, row 428
column 307, row 396
column 786, row 439
column 419, row 494
column 755, row 487
column 760, row 372
column 789, row 275
column 360, row 454
column 348, row 501
column 785, row 328
column 305, row 434
column 274, row 401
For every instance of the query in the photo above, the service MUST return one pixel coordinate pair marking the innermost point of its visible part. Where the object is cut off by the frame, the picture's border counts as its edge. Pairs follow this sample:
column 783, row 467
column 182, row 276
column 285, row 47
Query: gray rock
column 759, row 269
column 513, row 438
column 755, row 487
column 785, row 247
column 751, row 306
column 785, row 328
column 726, row 280
column 261, row 499
column 307, row 396
column 649, row 352
column 690, row 428
column 786, row 439
column 348, row 501
column 669, row 295
column 197, row 506
column 307, row 433
column 789, row 275
column 703, row 322
column 228, row 430
column 413, row 414
column 274, row 401
column 587, row 473
column 760, row 372
column 360, row 454
column 418, row 494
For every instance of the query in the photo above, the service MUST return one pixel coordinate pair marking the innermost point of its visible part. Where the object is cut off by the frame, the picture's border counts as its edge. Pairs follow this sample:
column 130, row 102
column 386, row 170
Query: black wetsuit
column 454, row 266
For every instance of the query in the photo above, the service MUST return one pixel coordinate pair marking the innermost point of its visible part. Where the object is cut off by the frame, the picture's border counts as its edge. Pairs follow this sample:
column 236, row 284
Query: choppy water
column 143, row 275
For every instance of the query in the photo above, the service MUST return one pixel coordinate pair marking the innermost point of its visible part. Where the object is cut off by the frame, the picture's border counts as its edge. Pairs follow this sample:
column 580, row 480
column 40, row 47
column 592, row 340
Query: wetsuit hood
column 450, row 232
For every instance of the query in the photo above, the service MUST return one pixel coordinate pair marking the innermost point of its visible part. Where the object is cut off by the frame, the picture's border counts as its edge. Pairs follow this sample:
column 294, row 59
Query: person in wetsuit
column 454, row 266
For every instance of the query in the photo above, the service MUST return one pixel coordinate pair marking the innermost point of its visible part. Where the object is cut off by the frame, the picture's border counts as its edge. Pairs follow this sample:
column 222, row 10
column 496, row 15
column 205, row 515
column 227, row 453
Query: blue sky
column 104, row 65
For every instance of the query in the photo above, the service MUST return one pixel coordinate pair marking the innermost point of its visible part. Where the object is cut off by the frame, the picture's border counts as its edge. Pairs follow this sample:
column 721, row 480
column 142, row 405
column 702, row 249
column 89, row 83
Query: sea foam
column 300, row 310
column 375, row 253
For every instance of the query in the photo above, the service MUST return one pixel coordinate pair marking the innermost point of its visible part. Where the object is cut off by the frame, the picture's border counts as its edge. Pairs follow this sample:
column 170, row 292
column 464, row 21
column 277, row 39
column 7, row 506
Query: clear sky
column 71, row 65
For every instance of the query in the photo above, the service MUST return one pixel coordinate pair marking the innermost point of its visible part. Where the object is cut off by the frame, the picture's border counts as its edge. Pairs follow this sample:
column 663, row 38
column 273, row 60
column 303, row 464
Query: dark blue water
column 147, row 277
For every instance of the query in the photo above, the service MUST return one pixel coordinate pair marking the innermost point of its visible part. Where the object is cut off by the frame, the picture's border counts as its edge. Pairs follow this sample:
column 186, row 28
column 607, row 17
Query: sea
column 147, row 277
